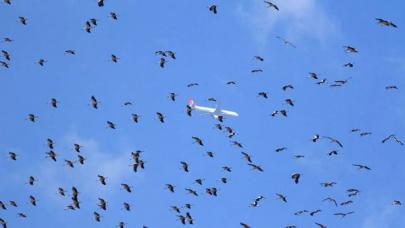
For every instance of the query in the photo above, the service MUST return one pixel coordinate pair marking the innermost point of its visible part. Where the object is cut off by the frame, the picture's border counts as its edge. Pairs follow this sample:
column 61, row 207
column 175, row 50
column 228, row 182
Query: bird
column 280, row 149
column 135, row 117
column 256, row 71
column 114, row 58
column 113, row 15
column 102, row 179
column 199, row 181
column 161, row 117
column 231, row 83
column 392, row 136
column 287, row 87
column 70, row 52
column 192, row 85
column 97, row 216
column 170, row 187
column 33, row 200
column 397, row 202
column 244, row 225
column 13, row 203
column 333, row 140
column 328, row 184
column 94, row 102
column 313, row 75
column 7, row 2
column 50, row 143
column 191, row 191
column 6, row 55
column 100, row 3
column 172, row 96
column 41, row 62
column 320, row 225
column 22, row 20
column 4, row 64
column 77, row 147
column 213, row 8
column 54, row 102
column 263, row 94
column 282, row 197
column 12, row 156
column 259, row 58
column 126, row 187
column 344, row 214
column 333, row 152
column 331, row 200
column 197, row 140
column 51, row 154
column 31, row 180
column 386, row 23
column 289, row 101
column 61, row 191
column 102, row 204
column 315, row 138
column 362, row 166
column 189, row 110
column 346, row 203
column 271, row 5
column 111, row 125
column 31, row 117
column 350, row 49
column 286, row 42
column 296, row 177
column 247, row 157
column 162, row 62
column 312, row 213
column 171, row 54
column 184, row 166
column 391, row 87
column 350, row 65
column 256, row 167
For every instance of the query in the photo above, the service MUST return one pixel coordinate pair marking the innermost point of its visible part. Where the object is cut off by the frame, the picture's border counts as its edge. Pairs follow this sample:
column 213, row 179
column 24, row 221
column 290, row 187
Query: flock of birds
column 183, row 213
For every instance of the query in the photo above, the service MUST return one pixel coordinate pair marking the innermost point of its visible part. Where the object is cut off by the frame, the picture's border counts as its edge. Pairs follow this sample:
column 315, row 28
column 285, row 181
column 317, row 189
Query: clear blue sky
column 211, row 50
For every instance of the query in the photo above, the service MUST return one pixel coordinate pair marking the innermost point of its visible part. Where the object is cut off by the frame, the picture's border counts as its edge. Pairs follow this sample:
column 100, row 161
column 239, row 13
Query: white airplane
column 217, row 113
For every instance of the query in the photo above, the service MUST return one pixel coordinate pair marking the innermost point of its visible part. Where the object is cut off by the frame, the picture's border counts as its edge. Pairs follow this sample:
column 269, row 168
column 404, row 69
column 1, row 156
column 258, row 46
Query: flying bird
column 213, row 8
column 271, row 5
column 386, row 23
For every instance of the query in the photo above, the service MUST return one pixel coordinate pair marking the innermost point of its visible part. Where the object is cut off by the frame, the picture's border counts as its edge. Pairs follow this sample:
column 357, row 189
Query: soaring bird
column 70, row 52
column 33, row 201
column 256, row 167
column 263, row 94
column 328, row 184
column 31, row 180
column 271, row 5
column 54, row 102
column 6, row 55
column 50, row 143
column 256, row 71
column 172, row 96
column 126, row 187
column 312, row 213
column 102, row 204
column 77, row 147
column 259, row 58
column 161, row 117
column 31, row 117
column 191, row 191
column 344, row 214
column 390, row 87
column 22, row 20
column 41, row 62
column 12, row 156
column 94, row 102
column 286, row 42
column 244, row 225
column 296, row 177
column 287, row 87
column 135, row 117
column 331, row 200
column 386, row 23
column 350, row 49
column 333, row 140
column 281, row 149
column 392, row 136
column 247, row 157
column 171, row 54
column 162, row 62
column 100, row 3
column 170, row 187
column 282, row 197
column 4, row 64
column 114, row 58
column 111, row 125
column 51, row 154
column 184, row 166
column 114, row 16
column 362, row 166
column 213, row 8
column 97, row 216
column 102, row 179
column 198, row 141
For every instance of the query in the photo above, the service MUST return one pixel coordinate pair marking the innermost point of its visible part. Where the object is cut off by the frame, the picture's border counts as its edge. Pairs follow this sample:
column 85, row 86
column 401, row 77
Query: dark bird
column 102, row 179
column 33, row 201
column 288, row 87
column 282, row 197
column 314, row 212
column 114, row 16
column 285, row 41
column 21, row 215
column 386, row 23
column 77, row 147
column 31, row 117
column 256, row 71
column 135, row 117
column 161, row 117
column 289, row 102
column 256, row 167
column 173, row 96
column 111, row 125
column 184, row 166
column 61, row 191
column 328, row 184
column 12, row 156
column 41, row 62
column 22, row 20
column 51, row 154
column 97, row 216
column 231, row 83
column 259, row 58
column 102, row 204
column 332, row 140
column 171, row 54
column 162, row 62
column 69, row 163
column 397, row 202
column 213, row 8
column 344, row 214
column 315, row 138
column 349, row 49
column 49, row 143
column 170, row 187
column 198, row 141
column 323, row 81
column 70, row 52
column 94, row 102
column 296, row 177
column 362, row 166
column 333, row 152
column 126, row 187
column 244, row 225
column 320, row 225
column 7, row 2
column 191, row 191
column 392, row 136
column 7, row 40
column 199, row 181
column 236, row 143
column 331, row 200
column 247, row 157
column 346, row 203
column 6, row 55
column 313, row 75
column 81, row 159
column 13, row 203
column 4, row 64
column 390, row 87
column 182, row 219
column 189, row 110
column 100, row 3
column 227, row 169
column 263, row 94
column 281, row 149
column 176, row 209
column 114, row 58
column 54, row 103
column 271, row 5
column 31, row 180
column 2, row 205
column 224, row 180
column 350, row 65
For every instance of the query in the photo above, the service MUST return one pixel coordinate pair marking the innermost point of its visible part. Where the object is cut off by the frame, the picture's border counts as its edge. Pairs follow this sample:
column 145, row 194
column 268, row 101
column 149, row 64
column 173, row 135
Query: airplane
column 218, row 113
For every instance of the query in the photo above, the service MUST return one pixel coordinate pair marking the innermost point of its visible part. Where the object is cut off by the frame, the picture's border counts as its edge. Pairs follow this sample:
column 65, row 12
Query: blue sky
column 211, row 50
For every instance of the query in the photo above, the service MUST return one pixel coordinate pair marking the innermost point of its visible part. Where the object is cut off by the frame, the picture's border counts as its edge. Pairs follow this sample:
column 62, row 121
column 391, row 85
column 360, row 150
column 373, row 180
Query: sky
column 211, row 49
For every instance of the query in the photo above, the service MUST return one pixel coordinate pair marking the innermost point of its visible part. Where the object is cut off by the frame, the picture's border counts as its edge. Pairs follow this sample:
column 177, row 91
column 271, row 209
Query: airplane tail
column 191, row 103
